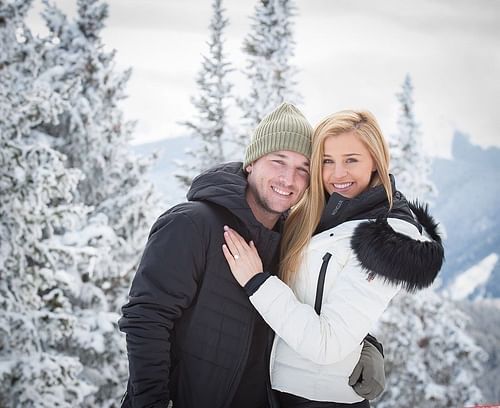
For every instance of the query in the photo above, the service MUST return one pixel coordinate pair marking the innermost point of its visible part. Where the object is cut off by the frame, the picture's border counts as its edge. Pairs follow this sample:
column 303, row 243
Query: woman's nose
column 340, row 171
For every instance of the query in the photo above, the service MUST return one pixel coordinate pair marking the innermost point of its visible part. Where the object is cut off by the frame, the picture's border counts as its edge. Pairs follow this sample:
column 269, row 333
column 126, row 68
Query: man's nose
column 288, row 176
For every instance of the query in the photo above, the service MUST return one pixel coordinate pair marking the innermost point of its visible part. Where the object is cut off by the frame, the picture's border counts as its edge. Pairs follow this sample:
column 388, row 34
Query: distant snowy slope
column 491, row 289
column 473, row 280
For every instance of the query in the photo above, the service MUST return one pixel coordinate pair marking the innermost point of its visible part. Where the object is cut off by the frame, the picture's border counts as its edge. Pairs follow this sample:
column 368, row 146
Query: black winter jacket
column 189, row 324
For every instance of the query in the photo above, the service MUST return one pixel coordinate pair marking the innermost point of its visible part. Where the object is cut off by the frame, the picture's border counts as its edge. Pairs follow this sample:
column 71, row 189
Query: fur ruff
column 398, row 258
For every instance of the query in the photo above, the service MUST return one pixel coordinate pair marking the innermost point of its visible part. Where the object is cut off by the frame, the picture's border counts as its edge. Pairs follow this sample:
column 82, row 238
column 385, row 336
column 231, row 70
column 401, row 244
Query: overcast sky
column 350, row 54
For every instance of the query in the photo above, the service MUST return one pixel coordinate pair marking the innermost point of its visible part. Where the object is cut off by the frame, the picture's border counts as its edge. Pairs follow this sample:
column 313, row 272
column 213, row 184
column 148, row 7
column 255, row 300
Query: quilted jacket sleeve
column 164, row 285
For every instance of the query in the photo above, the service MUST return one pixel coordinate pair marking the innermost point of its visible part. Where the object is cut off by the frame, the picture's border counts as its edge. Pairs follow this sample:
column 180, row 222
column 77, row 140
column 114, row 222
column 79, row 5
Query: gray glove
column 368, row 377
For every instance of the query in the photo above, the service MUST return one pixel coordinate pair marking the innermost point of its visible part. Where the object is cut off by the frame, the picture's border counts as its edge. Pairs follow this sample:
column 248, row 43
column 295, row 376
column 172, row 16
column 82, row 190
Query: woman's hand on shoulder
column 243, row 258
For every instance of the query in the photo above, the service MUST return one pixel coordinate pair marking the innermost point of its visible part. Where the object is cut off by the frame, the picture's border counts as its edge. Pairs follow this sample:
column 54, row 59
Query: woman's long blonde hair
column 305, row 216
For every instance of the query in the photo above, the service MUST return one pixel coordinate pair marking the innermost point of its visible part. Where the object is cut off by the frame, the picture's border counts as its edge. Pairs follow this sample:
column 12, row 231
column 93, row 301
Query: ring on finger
column 236, row 257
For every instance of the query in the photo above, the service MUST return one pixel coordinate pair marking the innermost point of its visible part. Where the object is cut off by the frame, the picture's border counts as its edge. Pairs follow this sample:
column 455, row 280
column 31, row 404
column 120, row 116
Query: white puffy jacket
column 313, row 355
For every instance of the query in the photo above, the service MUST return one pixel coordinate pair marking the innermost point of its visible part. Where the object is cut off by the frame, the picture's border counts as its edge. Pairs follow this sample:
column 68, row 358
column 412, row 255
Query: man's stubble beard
column 262, row 202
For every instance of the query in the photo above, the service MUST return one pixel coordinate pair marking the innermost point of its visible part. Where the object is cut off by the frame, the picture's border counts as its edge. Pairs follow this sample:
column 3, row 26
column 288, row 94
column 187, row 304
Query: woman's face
column 347, row 165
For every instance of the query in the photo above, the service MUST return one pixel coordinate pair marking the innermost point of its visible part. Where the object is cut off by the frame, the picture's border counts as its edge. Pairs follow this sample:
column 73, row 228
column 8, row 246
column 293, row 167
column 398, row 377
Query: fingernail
column 226, row 228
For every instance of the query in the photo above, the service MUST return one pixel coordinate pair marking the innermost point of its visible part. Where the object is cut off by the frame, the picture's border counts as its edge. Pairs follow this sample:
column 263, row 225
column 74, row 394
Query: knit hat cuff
column 284, row 140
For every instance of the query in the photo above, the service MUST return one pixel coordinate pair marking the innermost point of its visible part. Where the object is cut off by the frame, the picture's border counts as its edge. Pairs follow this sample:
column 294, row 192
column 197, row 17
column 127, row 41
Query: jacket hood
column 225, row 185
column 400, row 259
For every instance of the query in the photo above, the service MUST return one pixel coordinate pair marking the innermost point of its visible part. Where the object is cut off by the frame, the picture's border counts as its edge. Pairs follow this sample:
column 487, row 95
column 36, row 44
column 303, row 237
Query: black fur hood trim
column 400, row 259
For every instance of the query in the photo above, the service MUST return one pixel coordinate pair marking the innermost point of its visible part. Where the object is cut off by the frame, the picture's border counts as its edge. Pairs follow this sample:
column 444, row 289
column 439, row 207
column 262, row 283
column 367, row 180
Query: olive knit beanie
column 285, row 128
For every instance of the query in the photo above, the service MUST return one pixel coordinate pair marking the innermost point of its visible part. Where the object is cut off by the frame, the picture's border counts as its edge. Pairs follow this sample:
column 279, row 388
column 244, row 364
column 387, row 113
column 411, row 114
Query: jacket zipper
column 321, row 282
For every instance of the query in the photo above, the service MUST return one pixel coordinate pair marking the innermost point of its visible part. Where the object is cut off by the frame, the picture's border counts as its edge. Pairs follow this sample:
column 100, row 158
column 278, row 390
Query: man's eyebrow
column 277, row 154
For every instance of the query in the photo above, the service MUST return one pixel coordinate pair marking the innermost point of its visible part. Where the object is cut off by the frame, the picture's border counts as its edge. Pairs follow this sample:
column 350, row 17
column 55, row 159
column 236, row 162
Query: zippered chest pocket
column 321, row 282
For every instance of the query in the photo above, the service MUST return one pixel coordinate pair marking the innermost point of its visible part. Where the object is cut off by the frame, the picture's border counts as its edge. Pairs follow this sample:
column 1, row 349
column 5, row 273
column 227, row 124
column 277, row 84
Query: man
column 192, row 335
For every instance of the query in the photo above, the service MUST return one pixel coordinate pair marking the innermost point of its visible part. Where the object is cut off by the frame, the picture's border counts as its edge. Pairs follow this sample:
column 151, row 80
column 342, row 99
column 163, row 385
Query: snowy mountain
column 466, row 206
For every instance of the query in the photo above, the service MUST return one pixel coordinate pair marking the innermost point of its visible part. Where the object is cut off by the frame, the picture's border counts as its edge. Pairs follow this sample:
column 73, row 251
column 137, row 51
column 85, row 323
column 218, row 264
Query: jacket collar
column 372, row 203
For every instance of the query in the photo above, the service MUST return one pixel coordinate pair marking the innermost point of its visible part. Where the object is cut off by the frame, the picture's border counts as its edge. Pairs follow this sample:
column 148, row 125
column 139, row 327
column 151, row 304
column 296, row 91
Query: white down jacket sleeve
column 352, row 303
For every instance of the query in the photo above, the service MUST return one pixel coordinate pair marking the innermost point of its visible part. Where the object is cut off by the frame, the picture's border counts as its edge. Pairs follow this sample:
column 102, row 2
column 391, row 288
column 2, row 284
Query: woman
column 342, row 263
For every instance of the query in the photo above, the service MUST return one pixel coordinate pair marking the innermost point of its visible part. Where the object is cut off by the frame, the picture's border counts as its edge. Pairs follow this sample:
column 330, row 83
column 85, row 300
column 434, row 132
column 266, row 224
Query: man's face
column 276, row 182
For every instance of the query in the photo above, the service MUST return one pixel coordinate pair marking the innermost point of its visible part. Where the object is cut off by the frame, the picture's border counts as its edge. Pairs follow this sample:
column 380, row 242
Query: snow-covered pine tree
column 483, row 325
column 409, row 162
column 431, row 361
column 269, row 47
column 209, row 129
column 42, row 254
column 70, row 103
column 94, row 137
